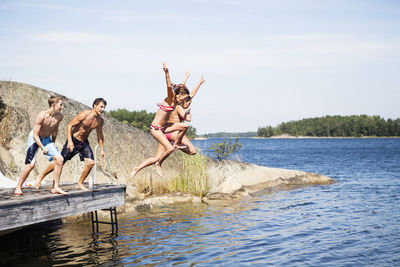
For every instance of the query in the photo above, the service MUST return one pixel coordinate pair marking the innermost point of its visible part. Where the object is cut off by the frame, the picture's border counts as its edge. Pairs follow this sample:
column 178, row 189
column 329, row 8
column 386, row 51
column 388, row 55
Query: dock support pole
column 113, row 220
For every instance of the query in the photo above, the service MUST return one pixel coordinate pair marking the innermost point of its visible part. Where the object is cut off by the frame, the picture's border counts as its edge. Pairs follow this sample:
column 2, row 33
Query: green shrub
column 226, row 148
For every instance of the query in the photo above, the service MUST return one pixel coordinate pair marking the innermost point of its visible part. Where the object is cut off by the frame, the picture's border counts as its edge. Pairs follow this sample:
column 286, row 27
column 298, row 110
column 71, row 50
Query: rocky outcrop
column 126, row 146
column 230, row 180
column 237, row 179
column 231, row 176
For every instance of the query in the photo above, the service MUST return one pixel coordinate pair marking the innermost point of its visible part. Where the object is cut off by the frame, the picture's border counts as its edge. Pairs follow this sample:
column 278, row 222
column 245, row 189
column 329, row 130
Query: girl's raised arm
column 170, row 92
column 194, row 91
column 186, row 77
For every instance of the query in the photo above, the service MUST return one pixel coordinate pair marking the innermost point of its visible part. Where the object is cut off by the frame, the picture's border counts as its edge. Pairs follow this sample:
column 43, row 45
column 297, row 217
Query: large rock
column 232, row 179
column 7, row 163
column 125, row 146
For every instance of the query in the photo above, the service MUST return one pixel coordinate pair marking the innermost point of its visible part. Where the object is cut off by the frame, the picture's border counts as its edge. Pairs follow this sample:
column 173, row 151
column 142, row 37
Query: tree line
column 335, row 126
column 228, row 134
column 141, row 120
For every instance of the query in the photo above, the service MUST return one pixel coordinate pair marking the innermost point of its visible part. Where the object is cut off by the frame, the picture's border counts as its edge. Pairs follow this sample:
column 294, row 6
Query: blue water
column 354, row 222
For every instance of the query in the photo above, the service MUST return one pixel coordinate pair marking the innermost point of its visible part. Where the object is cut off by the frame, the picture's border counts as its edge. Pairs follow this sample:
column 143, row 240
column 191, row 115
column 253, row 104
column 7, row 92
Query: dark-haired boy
column 78, row 130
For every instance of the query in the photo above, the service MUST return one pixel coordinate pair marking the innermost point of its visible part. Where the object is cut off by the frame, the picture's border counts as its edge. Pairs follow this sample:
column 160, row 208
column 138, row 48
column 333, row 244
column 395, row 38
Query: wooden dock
column 40, row 206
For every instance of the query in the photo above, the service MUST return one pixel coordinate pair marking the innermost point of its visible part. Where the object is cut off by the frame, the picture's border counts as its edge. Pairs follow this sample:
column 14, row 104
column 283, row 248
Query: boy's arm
column 54, row 135
column 100, row 138
column 75, row 121
column 55, row 131
column 36, row 129
column 194, row 91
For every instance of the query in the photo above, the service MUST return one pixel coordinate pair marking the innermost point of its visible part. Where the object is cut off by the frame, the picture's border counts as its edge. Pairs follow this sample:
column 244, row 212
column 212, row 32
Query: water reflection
column 58, row 245
column 174, row 234
column 75, row 244
column 180, row 233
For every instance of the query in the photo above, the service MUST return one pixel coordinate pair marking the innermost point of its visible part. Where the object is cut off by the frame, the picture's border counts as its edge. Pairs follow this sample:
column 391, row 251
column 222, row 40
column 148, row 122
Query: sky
column 264, row 62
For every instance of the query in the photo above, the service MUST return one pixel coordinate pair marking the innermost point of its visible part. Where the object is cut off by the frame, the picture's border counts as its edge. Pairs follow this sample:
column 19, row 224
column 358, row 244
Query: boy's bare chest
column 90, row 123
column 50, row 122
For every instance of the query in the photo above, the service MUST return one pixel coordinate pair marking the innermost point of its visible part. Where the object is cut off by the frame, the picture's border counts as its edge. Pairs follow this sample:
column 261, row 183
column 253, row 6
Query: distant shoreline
column 297, row 137
column 323, row 137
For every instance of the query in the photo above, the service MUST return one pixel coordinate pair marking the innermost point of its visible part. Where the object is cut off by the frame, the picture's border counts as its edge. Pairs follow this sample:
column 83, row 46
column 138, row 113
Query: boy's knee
column 90, row 163
column 58, row 160
column 30, row 166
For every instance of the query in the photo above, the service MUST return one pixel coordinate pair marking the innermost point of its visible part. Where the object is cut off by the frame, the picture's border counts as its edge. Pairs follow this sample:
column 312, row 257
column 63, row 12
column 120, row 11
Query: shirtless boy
column 46, row 125
column 78, row 130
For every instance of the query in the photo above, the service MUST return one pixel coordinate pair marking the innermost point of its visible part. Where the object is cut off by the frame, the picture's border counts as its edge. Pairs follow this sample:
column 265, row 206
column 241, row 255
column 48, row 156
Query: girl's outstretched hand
column 202, row 80
column 187, row 74
column 165, row 67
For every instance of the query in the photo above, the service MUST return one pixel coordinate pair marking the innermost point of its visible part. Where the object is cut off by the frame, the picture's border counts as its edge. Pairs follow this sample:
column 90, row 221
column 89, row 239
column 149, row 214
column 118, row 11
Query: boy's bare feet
column 37, row 183
column 18, row 192
column 81, row 186
column 58, row 191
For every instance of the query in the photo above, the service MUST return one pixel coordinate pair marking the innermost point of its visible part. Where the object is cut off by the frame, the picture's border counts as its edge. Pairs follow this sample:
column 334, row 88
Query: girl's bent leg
column 189, row 149
column 159, row 152
column 181, row 127
column 179, row 139
column 144, row 164
column 158, row 135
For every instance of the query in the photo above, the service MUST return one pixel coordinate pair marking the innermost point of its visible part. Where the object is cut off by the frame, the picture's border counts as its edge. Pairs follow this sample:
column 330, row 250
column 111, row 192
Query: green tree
column 265, row 132
column 140, row 119
column 191, row 132
column 353, row 125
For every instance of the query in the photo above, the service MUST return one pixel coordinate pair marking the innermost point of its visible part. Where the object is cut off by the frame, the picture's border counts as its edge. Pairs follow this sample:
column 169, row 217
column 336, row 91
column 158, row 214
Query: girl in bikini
column 179, row 115
column 176, row 94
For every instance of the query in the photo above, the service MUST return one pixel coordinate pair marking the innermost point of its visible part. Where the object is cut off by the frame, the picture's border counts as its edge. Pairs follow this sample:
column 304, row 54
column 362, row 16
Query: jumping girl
column 179, row 115
column 176, row 94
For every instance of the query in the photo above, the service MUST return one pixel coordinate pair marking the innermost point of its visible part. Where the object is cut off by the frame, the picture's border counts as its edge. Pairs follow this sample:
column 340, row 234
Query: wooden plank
column 32, row 207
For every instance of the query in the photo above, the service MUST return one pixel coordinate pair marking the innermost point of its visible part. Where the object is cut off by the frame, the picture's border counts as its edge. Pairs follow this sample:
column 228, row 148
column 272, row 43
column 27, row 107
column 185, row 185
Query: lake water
column 354, row 222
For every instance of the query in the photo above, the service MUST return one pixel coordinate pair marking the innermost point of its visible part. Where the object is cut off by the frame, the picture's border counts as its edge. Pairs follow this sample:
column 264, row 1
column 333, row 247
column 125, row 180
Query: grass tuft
column 192, row 176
